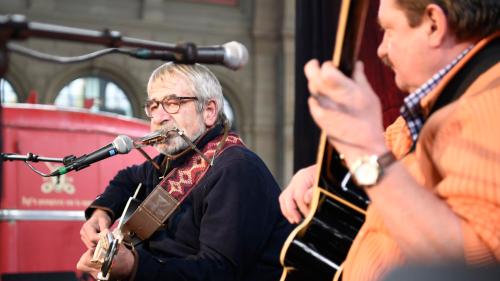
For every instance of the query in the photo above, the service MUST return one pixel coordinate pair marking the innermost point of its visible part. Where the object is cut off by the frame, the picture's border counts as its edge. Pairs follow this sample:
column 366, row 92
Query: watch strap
column 387, row 159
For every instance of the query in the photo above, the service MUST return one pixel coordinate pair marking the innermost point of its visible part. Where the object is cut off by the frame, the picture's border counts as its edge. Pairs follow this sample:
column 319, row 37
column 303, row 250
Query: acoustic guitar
column 316, row 249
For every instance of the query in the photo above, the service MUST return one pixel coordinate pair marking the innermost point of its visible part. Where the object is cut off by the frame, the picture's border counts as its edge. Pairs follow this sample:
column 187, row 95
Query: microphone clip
column 67, row 160
column 188, row 52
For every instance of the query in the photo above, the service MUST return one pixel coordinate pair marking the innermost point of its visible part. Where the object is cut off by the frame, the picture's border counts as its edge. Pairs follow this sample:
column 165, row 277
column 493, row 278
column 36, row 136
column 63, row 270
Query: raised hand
column 347, row 110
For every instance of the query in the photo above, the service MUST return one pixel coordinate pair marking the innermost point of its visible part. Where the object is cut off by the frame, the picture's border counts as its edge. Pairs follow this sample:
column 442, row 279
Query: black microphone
column 233, row 55
column 120, row 145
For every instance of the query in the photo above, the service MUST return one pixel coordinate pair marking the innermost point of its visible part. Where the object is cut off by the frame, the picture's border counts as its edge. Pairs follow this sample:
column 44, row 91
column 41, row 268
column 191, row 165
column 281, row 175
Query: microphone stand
column 16, row 27
column 30, row 157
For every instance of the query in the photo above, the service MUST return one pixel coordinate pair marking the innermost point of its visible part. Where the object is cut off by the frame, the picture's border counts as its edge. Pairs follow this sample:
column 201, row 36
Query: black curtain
column 315, row 28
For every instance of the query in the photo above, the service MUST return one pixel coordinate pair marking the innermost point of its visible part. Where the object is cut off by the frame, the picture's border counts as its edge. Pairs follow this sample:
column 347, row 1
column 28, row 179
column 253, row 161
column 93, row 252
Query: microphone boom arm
column 17, row 27
column 233, row 55
column 29, row 157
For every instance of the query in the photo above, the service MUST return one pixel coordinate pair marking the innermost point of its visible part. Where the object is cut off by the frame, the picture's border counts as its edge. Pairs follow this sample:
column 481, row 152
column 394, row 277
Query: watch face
column 367, row 171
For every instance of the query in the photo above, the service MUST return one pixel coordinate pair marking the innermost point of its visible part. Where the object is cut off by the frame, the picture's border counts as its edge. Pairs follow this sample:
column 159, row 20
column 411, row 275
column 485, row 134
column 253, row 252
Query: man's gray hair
column 202, row 82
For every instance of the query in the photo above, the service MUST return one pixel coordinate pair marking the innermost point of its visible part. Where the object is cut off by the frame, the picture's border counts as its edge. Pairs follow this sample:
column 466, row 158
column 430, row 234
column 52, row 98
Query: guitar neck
column 348, row 39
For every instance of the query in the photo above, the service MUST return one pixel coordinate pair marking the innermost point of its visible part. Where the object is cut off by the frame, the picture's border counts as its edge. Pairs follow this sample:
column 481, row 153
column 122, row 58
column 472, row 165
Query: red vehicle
column 40, row 217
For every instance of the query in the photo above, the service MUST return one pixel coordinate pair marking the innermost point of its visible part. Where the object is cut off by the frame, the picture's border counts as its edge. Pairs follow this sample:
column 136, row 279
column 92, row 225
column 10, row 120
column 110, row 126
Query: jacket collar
column 428, row 101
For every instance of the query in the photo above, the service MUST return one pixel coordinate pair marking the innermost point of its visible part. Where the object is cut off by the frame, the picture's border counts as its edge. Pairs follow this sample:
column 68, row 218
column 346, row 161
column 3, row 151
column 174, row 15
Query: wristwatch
column 368, row 170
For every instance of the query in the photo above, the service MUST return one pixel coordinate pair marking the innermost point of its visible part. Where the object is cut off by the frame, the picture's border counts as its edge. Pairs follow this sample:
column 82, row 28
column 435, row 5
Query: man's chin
column 164, row 149
column 168, row 149
column 401, row 85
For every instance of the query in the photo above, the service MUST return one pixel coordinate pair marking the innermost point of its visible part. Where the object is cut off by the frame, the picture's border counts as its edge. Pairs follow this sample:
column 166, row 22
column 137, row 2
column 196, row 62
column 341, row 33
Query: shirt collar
column 411, row 110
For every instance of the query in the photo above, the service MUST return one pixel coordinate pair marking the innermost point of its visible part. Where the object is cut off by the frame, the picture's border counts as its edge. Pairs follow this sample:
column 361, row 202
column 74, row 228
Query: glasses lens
column 171, row 105
column 150, row 107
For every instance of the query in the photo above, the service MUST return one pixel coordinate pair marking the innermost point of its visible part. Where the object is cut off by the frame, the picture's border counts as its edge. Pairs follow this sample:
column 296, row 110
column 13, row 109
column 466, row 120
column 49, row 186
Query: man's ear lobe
column 435, row 19
column 210, row 113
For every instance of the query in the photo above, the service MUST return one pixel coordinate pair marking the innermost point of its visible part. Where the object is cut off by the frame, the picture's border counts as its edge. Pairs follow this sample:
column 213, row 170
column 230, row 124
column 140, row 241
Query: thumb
column 359, row 74
column 360, row 78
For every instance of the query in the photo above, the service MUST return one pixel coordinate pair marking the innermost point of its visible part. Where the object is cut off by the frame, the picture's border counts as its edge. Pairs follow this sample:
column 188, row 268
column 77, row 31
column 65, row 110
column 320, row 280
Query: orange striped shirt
column 457, row 157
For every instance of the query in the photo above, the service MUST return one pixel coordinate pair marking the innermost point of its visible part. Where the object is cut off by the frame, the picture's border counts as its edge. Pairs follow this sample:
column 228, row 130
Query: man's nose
column 381, row 50
column 160, row 116
column 382, row 47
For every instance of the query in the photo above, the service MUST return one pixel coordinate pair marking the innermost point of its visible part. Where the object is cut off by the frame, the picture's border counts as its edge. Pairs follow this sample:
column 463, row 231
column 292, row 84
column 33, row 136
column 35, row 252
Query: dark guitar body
column 321, row 243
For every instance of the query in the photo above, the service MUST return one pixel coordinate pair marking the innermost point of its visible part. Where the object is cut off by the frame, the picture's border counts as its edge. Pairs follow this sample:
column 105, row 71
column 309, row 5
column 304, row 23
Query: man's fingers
column 88, row 243
column 308, row 196
column 306, row 179
column 89, row 234
column 284, row 211
column 311, row 70
column 359, row 73
column 85, row 265
column 318, row 112
column 299, row 199
column 98, row 223
column 288, row 207
column 283, row 205
column 295, row 216
column 293, row 204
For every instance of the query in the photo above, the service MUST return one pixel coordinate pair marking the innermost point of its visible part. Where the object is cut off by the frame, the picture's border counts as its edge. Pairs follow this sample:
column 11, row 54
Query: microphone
column 233, row 55
column 120, row 145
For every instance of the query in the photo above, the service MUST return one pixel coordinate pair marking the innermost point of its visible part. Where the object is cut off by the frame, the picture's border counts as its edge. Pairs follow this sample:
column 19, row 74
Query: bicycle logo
column 59, row 184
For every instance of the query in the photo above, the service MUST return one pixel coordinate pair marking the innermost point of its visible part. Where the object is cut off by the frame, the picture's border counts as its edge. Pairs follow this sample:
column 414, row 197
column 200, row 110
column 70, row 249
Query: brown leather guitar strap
column 174, row 188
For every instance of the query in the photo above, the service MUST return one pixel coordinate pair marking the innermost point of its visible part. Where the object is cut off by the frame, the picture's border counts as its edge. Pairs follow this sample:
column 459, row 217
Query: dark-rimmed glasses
column 169, row 104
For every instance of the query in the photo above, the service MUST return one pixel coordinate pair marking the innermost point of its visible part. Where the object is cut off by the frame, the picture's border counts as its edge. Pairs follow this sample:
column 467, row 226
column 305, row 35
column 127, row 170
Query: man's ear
column 210, row 113
column 436, row 24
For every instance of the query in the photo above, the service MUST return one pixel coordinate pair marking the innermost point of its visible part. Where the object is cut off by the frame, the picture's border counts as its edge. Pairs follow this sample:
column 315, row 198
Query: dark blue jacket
column 229, row 228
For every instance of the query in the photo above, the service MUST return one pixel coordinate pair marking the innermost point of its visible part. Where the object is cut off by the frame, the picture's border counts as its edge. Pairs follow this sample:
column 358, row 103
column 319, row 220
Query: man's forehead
column 161, row 95
column 168, row 81
column 168, row 87
column 390, row 11
column 381, row 9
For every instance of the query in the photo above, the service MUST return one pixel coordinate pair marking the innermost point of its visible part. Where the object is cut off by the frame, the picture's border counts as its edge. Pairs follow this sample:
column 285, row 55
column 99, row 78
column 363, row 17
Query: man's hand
column 85, row 265
column 347, row 110
column 121, row 268
column 298, row 194
column 98, row 222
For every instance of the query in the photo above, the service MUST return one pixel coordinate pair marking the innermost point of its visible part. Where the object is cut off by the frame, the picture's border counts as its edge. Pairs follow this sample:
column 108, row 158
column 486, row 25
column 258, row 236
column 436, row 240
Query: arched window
column 95, row 93
column 7, row 92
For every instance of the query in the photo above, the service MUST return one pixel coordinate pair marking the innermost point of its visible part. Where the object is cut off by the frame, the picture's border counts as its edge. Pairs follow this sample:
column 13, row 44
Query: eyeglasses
column 169, row 104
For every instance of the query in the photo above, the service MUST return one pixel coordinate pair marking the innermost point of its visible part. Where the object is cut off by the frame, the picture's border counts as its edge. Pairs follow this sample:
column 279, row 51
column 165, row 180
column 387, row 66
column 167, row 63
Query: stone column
column 267, row 91
column 288, row 32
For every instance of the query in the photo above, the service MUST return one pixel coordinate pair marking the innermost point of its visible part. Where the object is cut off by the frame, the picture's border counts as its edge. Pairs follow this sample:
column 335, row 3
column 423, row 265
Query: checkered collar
column 411, row 110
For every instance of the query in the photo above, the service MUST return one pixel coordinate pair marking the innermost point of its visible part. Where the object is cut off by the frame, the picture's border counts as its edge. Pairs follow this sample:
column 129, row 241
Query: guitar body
column 317, row 248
